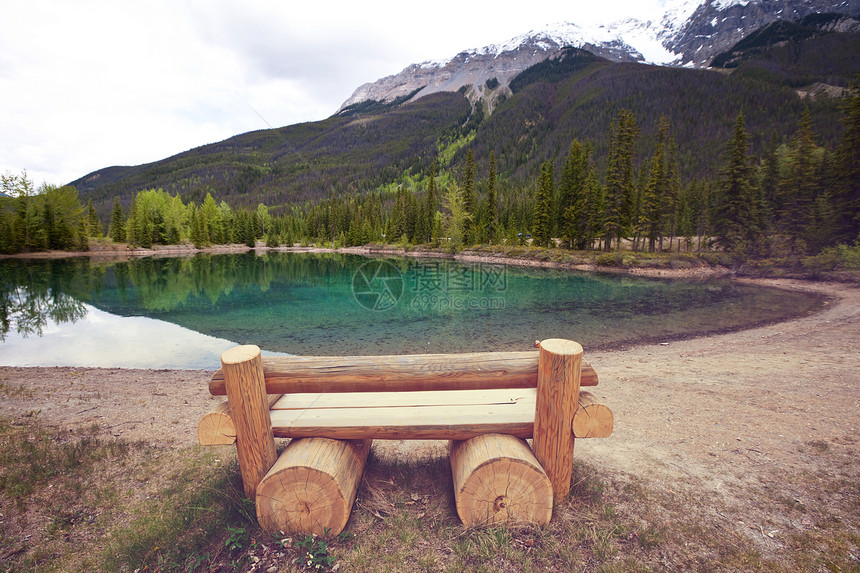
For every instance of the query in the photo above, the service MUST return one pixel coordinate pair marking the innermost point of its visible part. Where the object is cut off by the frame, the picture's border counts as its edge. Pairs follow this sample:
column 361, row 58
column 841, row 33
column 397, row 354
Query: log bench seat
column 421, row 415
column 486, row 404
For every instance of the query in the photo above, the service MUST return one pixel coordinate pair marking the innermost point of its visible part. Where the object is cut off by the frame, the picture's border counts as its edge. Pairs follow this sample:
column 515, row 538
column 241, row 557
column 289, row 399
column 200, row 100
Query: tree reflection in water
column 28, row 312
column 302, row 303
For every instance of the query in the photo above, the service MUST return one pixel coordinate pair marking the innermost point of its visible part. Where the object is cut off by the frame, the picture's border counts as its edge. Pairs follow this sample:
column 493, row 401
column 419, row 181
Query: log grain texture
column 217, row 429
column 249, row 409
column 407, row 373
column 556, row 403
column 592, row 420
column 312, row 486
column 497, row 479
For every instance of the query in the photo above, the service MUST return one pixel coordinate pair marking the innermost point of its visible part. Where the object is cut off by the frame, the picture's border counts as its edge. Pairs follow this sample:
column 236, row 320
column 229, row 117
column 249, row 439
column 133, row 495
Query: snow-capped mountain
column 688, row 33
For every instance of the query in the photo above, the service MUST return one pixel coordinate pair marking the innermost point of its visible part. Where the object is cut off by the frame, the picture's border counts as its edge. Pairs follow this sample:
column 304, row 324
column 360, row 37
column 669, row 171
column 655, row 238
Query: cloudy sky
column 89, row 84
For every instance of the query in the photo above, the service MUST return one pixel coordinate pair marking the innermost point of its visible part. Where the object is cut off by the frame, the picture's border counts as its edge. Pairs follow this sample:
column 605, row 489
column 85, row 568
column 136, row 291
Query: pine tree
column 769, row 184
column 572, row 196
column 673, row 189
column 397, row 222
column 823, row 229
column 492, row 211
column 432, row 204
column 27, row 233
column 595, row 208
column 195, row 228
column 651, row 209
column 735, row 220
column 847, row 169
column 83, row 235
column 620, row 177
column 94, row 225
column 411, row 215
column 799, row 189
column 211, row 226
column 468, row 193
column 542, row 210
column 457, row 218
column 117, row 222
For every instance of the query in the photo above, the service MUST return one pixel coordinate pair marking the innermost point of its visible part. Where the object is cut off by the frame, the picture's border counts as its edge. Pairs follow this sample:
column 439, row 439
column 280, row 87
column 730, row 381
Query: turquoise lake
column 183, row 312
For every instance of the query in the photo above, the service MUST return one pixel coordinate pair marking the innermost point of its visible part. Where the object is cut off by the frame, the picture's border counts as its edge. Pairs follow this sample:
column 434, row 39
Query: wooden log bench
column 486, row 404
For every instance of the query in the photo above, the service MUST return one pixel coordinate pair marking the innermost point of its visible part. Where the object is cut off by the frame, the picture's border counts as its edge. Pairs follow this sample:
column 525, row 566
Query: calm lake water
column 183, row 312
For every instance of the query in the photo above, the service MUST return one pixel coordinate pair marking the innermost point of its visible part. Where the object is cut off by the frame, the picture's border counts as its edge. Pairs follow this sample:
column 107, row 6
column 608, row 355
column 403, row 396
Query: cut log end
column 312, row 486
column 592, row 421
column 216, row 428
column 498, row 480
column 240, row 354
column 560, row 346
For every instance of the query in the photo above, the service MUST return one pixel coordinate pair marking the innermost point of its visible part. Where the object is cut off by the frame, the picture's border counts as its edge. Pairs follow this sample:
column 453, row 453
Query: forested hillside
column 294, row 164
column 585, row 154
column 574, row 95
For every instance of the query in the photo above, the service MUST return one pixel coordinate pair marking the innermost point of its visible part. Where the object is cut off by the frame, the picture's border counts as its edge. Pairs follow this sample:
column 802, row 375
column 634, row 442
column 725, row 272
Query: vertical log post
column 558, row 380
column 249, row 409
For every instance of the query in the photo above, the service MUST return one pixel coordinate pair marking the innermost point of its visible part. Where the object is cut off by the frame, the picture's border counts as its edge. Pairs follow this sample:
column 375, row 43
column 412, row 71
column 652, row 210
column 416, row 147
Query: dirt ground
column 732, row 420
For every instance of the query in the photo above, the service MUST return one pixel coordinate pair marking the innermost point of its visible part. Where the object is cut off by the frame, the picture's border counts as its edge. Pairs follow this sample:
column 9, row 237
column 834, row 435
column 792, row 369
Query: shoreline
column 843, row 300
column 123, row 253
column 672, row 265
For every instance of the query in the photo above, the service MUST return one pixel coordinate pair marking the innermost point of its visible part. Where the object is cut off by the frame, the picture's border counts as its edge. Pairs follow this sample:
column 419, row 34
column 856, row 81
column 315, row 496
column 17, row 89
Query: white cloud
column 90, row 84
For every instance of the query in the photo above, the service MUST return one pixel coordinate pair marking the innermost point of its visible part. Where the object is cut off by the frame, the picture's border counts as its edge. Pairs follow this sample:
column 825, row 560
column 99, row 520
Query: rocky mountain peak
column 688, row 33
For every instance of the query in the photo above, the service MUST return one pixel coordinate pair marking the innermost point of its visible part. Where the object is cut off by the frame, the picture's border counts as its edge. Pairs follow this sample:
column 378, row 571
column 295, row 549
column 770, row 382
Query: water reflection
column 346, row 304
column 31, row 297
column 30, row 312
column 100, row 339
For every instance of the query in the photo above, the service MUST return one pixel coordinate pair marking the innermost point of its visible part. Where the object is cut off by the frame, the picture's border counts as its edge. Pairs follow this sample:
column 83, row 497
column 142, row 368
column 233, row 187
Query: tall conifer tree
column 117, row 222
column 541, row 231
column 468, row 193
column 432, row 202
column 735, row 220
column 620, row 177
column 848, row 171
column 800, row 188
column 572, row 195
column 492, row 212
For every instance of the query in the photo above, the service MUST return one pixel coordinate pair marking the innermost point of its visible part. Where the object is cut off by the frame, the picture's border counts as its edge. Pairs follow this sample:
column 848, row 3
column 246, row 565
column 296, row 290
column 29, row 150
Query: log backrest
column 400, row 373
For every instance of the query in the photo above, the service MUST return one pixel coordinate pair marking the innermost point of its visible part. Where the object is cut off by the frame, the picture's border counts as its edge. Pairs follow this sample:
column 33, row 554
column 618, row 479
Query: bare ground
column 756, row 430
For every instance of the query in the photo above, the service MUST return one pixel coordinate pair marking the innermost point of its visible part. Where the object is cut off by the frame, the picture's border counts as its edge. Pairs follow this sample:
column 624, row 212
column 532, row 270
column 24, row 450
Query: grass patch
column 83, row 501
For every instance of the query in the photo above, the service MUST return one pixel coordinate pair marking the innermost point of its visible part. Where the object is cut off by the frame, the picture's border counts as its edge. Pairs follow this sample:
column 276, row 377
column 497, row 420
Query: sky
column 90, row 84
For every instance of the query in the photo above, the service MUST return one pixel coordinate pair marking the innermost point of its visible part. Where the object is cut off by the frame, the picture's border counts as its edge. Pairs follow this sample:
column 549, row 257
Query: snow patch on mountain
column 726, row 4
column 688, row 33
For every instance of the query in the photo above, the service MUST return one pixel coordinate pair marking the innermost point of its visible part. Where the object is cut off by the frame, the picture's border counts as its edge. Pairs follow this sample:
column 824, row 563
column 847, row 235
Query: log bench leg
column 312, row 486
column 498, row 479
column 558, row 381
column 249, row 410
